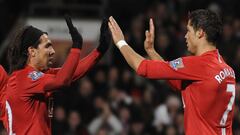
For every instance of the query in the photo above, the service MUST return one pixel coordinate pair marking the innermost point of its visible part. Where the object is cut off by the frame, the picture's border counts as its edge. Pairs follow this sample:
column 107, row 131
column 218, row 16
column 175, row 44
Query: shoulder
column 35, row 75
column 3, row 73
column 187, row 61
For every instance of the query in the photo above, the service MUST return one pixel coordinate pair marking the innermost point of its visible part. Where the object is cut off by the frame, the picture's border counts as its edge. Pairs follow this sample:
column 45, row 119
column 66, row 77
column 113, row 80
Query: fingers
column 75, row 35
column 151, row 25
column 112, row 20
column 104, row 25
column 110, row 24
column 114, row 25
column 69, row 21
column 149, row 40
column 116, row 31
column 148, row 36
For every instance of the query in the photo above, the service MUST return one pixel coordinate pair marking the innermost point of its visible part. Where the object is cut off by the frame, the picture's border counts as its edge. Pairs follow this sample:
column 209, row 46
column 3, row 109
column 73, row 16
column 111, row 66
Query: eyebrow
column 49, row 44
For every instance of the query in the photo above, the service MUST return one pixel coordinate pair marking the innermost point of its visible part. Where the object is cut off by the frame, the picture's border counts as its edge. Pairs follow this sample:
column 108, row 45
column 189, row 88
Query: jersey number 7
column 230, row 88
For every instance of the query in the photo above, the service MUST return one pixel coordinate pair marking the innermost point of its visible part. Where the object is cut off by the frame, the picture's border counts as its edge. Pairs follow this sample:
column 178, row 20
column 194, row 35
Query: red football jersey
column 207, row 85
column 84, row 65
column 3, row 82
column 27, row 93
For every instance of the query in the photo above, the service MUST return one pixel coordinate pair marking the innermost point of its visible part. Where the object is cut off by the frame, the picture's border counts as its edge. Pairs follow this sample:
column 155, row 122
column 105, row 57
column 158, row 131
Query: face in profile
column 191, row 38
column 43, row 54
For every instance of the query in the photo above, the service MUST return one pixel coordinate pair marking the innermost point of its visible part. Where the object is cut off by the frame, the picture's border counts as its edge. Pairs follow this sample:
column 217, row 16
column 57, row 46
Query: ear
column 200, row 33
column 31, row 51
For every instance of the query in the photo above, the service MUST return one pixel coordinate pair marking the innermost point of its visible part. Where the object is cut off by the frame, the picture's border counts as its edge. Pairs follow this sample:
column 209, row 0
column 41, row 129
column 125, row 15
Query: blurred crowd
column 112, row 100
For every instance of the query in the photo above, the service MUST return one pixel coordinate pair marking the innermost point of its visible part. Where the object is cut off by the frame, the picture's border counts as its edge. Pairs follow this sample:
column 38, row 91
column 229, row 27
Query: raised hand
column 149, row 40
column 116, row 31
column 149, row 43
column 76, row 36
column 105, row 37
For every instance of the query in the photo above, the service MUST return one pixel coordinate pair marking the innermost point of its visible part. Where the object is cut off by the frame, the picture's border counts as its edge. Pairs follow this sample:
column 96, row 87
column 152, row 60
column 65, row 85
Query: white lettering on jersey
column 223, row 74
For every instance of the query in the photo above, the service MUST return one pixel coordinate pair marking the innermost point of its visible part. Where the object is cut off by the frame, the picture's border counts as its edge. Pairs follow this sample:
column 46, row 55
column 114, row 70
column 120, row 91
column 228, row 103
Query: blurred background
column 111, row 99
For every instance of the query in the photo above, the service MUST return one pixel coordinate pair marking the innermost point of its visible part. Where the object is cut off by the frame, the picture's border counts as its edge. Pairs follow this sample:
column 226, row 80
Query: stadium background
column 111, row 99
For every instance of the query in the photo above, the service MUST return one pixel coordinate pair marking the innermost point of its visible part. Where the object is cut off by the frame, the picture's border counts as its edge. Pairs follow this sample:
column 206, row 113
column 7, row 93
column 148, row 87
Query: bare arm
column 149, row 48
column 149, row 42
column 132, row 58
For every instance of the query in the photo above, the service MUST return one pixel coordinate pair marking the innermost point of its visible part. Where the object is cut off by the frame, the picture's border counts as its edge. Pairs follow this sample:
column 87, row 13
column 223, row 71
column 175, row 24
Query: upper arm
column 42, row 84
column 187, row 68
column 37, row 82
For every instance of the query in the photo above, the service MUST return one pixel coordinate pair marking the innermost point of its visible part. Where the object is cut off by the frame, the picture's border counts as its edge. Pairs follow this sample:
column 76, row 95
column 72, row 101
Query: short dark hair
column 209, row 21
column 18, row 50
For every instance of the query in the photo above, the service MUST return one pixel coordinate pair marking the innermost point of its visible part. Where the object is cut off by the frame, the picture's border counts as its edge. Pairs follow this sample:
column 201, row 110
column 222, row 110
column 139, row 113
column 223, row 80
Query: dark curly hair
column 18, row 51
column 209, row 21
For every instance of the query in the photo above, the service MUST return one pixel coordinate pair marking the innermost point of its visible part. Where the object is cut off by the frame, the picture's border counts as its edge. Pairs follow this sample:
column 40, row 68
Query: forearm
column 154, row 55
column 64, row 75
column 85, row 64
column 132, row 58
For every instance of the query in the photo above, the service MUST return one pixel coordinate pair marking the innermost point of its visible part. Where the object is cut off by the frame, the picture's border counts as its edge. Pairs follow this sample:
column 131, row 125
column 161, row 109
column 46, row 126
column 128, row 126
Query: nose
column 185, row 36
column 52, row 52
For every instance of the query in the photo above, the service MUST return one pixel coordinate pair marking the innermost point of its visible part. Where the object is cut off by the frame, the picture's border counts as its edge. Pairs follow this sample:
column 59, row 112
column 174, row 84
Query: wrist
column 150, row 50
column 121, row 43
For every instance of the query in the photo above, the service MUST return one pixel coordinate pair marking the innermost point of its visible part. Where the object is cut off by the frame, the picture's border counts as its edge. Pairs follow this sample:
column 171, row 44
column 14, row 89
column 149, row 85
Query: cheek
column 191, row 37
column 45, row 56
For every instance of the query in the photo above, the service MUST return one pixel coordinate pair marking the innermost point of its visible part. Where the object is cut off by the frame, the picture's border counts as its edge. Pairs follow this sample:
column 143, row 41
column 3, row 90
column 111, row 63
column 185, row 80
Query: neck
column 205, row 47
column 34, row 67
column 31, row 63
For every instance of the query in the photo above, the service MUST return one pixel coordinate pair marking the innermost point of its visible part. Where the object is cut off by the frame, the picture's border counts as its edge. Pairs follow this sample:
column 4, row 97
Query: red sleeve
column 186, row 68
column 85, row 64
column 52, row 71
column 3, row 82
column 49, row 82
column 3, row 78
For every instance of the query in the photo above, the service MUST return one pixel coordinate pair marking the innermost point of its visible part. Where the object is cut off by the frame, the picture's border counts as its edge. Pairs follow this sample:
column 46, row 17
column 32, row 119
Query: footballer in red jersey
column 31, row 80
column 206, row 82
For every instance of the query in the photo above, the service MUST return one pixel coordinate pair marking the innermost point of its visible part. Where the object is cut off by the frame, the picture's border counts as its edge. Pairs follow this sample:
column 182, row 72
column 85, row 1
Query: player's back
column 209, row 102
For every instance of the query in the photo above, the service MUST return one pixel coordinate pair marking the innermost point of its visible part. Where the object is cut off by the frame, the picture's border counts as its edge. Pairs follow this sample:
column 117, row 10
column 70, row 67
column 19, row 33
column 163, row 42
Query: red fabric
column 27, row 92
column 207, row 97
column 84, row 65
column 3, row 82
column 175, row 84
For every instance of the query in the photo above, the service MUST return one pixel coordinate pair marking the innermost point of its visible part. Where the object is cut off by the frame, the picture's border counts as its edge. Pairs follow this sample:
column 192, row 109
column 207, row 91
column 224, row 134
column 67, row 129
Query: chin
column 44, row 69
column 50, row 64
column 190, row 50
